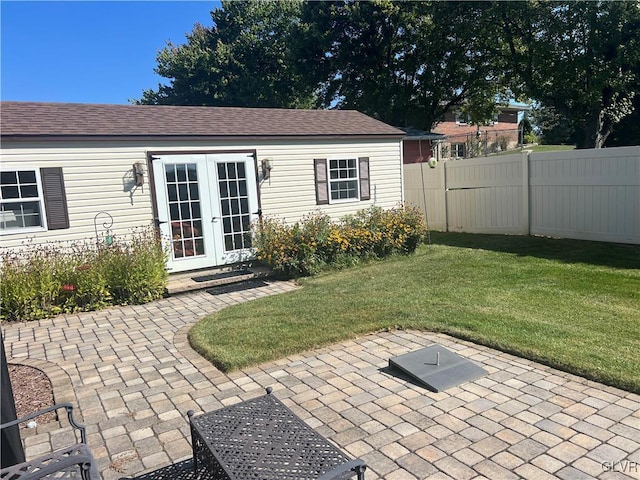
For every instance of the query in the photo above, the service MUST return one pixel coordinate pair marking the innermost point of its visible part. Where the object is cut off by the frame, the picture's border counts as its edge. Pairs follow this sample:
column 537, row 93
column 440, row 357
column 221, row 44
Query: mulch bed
column 32, row 391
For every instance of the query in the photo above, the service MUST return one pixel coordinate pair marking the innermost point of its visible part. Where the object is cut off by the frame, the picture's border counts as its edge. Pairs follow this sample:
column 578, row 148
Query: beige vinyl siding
column 94, row 181
column 98, row 176
column 289, row 193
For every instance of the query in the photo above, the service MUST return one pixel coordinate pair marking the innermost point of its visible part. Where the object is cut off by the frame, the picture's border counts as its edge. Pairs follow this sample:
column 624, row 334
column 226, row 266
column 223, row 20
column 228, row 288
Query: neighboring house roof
column 36, row 119
column 452, row 129
column 417, row 134
column 519, row 106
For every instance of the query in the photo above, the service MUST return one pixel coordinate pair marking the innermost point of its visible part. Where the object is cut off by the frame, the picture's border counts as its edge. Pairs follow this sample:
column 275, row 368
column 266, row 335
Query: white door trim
column 206, row 204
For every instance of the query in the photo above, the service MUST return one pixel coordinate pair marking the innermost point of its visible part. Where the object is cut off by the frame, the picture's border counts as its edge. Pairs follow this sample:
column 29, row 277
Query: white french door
column 206, row 204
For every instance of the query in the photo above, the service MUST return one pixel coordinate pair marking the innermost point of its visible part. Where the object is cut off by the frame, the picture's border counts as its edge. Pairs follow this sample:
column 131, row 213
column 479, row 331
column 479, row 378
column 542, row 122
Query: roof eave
column 215, row 138
column 435, row 136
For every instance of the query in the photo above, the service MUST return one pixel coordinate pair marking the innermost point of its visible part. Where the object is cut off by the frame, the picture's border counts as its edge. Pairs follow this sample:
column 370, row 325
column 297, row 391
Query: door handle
column 213, row 219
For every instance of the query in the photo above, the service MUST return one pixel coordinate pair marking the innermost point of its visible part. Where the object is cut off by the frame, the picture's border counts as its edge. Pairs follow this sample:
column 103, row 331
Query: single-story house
column 201, row 174
column 419, row 146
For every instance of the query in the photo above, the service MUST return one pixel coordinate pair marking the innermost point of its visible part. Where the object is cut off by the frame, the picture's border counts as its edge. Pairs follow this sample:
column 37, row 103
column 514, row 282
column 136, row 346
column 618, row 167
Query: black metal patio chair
column 73, row 461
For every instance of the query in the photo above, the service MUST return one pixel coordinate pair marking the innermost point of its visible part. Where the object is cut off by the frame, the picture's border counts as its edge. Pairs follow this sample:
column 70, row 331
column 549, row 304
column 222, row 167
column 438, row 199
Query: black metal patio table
column 262, row 439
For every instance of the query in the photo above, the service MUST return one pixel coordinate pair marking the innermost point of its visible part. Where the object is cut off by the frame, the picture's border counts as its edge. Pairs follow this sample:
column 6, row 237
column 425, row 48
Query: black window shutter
column 365, row 189
column 55, row 199
column 322, row 181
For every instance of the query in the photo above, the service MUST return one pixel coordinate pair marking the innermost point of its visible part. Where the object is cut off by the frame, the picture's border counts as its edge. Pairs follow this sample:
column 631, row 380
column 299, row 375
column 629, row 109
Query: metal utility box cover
column 437, row 368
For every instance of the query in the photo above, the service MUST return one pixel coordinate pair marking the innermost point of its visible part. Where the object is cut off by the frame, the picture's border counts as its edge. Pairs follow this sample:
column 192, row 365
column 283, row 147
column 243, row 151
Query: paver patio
column 133, row 376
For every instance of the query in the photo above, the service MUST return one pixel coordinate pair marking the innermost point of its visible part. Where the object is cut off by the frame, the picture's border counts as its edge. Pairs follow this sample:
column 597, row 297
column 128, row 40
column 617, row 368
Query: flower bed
column 316, row 242
column 46, row 280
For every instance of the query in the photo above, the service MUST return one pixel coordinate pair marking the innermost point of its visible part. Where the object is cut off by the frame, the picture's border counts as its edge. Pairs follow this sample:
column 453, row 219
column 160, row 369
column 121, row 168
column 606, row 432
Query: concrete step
column 213, row 277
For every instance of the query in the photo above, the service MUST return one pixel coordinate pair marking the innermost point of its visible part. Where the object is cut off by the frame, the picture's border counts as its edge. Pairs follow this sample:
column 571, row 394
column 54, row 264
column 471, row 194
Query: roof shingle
column 27, row 119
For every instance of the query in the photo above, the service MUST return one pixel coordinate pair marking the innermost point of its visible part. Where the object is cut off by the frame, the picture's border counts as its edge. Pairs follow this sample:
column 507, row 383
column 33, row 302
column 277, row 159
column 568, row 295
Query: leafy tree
column 526, row 130
column 579, row 59
column 627, row 132
column 244, row 59
column 553, row 127
column 405, row 63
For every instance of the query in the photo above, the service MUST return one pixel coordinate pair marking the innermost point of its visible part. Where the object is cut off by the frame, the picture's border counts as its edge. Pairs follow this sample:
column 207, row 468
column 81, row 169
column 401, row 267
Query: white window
column 457, row 150
column 32, row 199
column 343, row 179
column 21, row 201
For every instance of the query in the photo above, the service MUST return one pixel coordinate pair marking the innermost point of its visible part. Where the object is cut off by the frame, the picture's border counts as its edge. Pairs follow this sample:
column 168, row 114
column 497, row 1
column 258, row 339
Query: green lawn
column 550, row 148
column 570, row 304
column 540, row 148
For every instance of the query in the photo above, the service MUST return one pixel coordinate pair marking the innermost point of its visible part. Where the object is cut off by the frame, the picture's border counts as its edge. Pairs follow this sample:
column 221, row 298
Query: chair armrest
column 346, row 471
column 67, row 406
column 58, row 461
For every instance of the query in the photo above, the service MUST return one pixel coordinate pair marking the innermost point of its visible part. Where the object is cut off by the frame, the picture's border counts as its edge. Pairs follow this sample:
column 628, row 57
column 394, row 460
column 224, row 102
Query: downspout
column 424, row 192
column 401, row 144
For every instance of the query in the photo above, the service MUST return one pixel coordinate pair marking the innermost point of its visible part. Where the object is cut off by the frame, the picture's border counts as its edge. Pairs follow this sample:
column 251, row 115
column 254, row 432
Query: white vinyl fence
column 582, row 194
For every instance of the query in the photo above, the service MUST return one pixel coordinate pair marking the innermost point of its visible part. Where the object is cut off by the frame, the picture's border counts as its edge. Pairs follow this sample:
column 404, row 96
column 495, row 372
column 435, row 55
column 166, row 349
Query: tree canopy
column 243, row 60
column 579, row 59
column 407, row 63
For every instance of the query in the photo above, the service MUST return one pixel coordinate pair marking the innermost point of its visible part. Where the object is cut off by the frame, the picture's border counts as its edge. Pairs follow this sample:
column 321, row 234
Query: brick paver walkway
column 132, row 374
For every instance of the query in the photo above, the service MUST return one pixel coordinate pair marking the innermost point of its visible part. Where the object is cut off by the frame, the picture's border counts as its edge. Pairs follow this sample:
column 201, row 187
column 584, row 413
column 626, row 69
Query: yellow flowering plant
column 316, row 242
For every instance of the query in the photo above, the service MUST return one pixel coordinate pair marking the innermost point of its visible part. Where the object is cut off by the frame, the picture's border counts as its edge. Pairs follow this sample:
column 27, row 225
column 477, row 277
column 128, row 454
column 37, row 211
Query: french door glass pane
column 234, row 205
column 183, row 196
column 181, row 171
column 172, row 192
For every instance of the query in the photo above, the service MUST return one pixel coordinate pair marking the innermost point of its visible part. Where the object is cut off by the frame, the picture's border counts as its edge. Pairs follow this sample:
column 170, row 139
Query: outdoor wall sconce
column 138, row 173
column 266, row 168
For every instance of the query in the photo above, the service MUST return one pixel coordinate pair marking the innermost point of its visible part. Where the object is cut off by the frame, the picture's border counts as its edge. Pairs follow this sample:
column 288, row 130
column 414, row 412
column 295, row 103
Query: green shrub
column 530, row 138
column 45, row 280
column 293, row 250
column 306, row 247
column 136, row 272
column 503, row 142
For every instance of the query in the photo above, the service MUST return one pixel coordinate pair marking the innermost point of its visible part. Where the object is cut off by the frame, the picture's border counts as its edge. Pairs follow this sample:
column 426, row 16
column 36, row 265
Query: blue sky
column 89, row 52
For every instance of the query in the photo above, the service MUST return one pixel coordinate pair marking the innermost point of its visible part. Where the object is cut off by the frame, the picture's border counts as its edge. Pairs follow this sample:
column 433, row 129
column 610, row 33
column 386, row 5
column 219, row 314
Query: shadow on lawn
column 616, row 255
